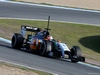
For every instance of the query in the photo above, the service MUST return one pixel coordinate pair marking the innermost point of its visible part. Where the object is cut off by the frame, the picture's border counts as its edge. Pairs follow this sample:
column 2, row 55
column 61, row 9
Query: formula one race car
column 43, row 44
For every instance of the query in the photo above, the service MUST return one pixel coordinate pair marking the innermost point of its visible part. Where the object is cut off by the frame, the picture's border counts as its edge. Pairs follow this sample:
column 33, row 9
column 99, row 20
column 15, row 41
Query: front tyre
column 17, row 41
column 75, row 53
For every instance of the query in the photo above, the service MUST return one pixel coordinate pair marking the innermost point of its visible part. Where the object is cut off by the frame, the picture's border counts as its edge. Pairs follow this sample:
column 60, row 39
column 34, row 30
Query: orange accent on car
column 33, row 44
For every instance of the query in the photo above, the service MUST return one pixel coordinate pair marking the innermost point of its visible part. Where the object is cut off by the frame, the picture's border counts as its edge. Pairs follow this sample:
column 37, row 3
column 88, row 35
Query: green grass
column 24, row 68
column 85, row 36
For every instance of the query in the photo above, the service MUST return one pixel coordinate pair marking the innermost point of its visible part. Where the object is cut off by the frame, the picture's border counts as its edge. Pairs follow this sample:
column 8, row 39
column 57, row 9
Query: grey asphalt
column 48, row 64
column 40, row 12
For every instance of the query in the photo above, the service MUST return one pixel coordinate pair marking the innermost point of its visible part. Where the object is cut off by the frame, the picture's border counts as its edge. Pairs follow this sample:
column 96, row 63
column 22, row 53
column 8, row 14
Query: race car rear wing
column 25, row 28
column 29, row 28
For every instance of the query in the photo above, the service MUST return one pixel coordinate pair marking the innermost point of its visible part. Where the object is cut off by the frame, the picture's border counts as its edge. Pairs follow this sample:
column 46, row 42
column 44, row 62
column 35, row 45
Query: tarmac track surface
column 29, row 11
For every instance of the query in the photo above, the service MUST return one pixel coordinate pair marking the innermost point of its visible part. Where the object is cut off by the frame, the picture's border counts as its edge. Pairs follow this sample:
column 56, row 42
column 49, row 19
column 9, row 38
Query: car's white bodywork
column 63, row 47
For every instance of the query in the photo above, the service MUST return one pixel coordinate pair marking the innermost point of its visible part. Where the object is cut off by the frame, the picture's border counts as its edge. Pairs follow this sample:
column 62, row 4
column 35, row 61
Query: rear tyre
column 75, row 53
column 17, row 41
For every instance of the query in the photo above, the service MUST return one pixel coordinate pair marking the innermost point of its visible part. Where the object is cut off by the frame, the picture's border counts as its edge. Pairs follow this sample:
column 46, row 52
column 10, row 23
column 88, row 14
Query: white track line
column 5, row 40
column 86, row 64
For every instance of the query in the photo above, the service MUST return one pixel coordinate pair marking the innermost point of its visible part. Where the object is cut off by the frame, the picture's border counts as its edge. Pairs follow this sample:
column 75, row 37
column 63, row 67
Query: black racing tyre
column 17, row 41
column 46, row 48
column 69, row 54
column 75, row 51
column 43, row 48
